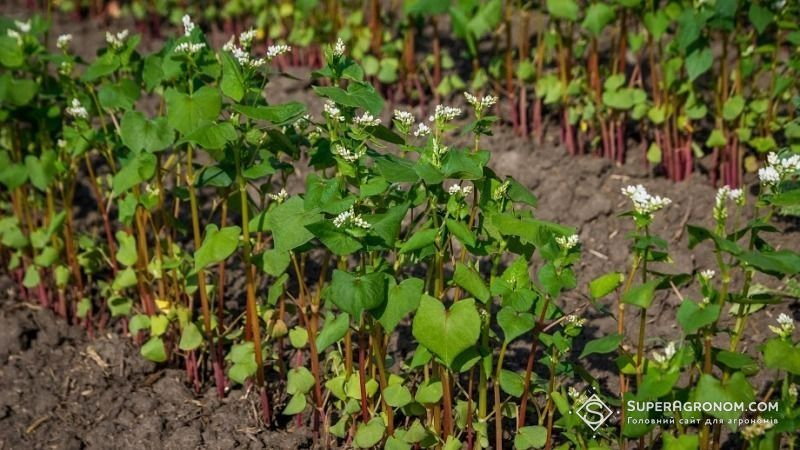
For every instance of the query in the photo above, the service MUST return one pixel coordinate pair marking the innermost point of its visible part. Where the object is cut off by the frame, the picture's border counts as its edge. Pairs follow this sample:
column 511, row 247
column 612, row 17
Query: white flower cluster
column 778, row 169
column 459, row 190
column 276, row 50
column 280, row 197
column 480, row 104
column 572, row 319
column 725, row 193
column 189, row 48
column 644, row 203
column 793, row 391
column 567, row 242
column 350, row 218
column 404, row 118
column 14, row 34
column 444, row 114
column 246, row 38
column 188, row 25
column 116, row 40
column 77, row 110
column 24, row 27
column 577, row 397
column 707, row 274
column 333, row 111
column 339, row 48
column 422, row 130
column 500, row 191
column 63, row 42
column 669, row 352
column 785, row 326
column 347, row 155
column 756, row 429
column 367, row 120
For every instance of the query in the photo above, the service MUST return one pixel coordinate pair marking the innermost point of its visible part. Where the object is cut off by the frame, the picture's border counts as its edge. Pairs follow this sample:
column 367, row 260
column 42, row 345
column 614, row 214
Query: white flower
column 280, row 197
column 575, row 320
column 24, row 27
column 116, row 40
column 246, row 38
column 500, row 191
column 63, row 41
column 768, row 175
column 778, row 168
column 333, row 111
column 77, row 110
column 578, row 398
column 188, row 25
column 339, row 48
column 567, row 242
column 758, row 428
column 793, row 391
column 350, row 218
column 669, row 352
column 14, row 34
column 785, row 326
column 480, row 104
column 422, row 130
column 65, row 68
column 444, row 114
column 367, row 120
column 404, row 118
column 707, row 274
column 347, row 155
column 644, row 203
column 459, row 190
column 736, row 196
column 277, row 50
column 189, row 48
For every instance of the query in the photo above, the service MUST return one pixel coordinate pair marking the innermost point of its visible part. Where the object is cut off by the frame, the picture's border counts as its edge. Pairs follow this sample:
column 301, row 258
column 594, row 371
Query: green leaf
column 139, row 168
column 217, row 246
column 760, row 17
column 232, row 83
column 332, row 331
column 276, row 114
column 397, row 396
column 186, row 112
column 471, row 281
column 563, row 9
column 692, row 316
column 369, row 434
column 716, row 139
column 514, row 324
column 735, row 389
column 358, row 95
column 41, row 170
column 121, row 95
column 781, row 262
column 402, row 299
column 461, row 231
column 429, row 392
column 299, row 381
column 337, row 240
column 605, row 284
column 153, row 350
column 11, row 53
column 603, row 345
column 138, row 323
column 598, row 15
column 354, row 294
column 446, row 333
column 733, row 107
column 296, row 405
column 698, row 62
column 274, row 262
column 212, row 136
column 138, row 133
column 530, row 437
column 420, row 239
column 288, row 223
column 641, row 295
column 682, row 442
column 782, row 355
column 191, row 338
column 126, row 250
column 654, row 153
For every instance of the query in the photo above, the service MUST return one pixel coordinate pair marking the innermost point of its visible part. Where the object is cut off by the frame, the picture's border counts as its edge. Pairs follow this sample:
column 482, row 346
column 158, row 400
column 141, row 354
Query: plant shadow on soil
column 58, row 389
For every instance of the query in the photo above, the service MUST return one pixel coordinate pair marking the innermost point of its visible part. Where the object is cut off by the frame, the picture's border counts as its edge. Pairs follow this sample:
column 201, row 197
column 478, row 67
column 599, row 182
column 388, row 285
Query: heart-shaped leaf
column 446, row 333
column 354, row 294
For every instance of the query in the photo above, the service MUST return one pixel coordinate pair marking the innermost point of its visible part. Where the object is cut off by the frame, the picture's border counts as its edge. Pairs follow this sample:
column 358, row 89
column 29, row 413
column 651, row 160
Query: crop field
column 444, row 224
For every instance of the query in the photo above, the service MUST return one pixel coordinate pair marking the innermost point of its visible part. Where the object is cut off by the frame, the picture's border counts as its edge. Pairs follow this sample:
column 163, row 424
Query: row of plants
column 405, row 297
column 682, row 78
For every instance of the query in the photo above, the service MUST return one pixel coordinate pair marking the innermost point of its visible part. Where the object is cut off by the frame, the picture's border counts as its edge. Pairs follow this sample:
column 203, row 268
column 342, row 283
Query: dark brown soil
column 59, row 389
